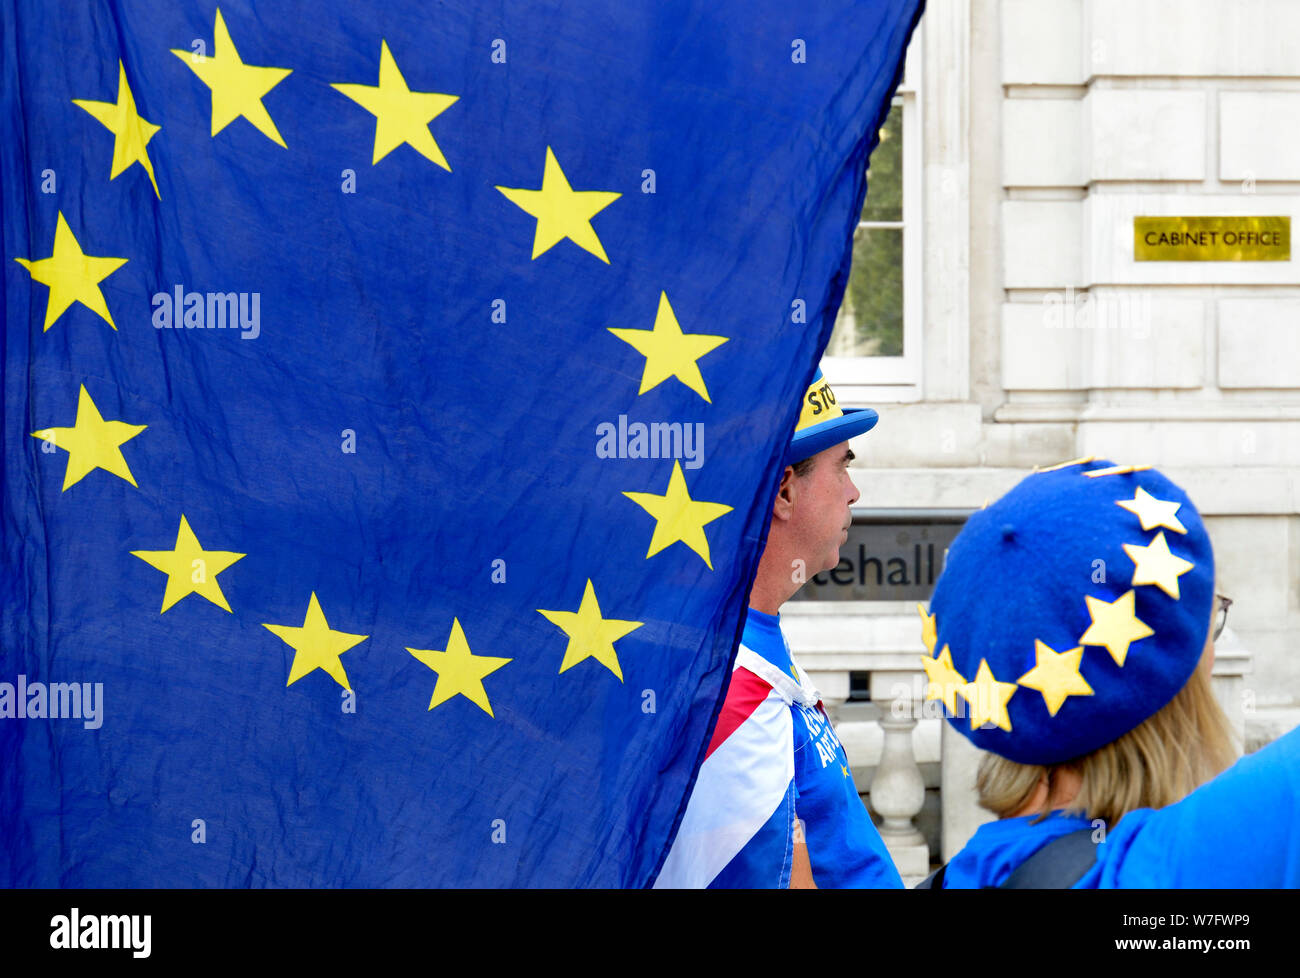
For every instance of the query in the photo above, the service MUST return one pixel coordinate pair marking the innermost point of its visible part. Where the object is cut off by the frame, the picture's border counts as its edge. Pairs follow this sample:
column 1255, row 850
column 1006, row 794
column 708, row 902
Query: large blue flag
column 393, row 398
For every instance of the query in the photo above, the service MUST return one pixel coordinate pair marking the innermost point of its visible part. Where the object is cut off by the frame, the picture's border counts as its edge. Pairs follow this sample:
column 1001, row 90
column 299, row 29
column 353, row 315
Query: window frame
column 866, row 380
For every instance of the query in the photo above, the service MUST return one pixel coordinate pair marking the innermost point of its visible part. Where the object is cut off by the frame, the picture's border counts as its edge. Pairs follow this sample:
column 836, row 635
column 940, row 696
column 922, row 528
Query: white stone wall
column 1060, row 121
column 1067, row 346
column 1115, row 108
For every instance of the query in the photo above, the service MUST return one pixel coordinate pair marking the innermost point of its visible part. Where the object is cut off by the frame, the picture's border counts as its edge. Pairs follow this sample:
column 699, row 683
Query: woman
column 1071, row 636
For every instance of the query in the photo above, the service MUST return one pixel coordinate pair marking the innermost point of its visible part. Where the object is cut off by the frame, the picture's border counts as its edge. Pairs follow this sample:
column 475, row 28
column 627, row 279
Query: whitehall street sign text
column 886, row 561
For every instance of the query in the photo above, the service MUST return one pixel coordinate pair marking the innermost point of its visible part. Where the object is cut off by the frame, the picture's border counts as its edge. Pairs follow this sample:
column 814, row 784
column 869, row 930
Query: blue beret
column 1069, row 611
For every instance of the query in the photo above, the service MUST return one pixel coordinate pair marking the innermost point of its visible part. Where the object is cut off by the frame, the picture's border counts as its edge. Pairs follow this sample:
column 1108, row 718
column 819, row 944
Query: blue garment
column 773, row 761
column 1241, row 830
column 324, row 624
column 844, row 847
column 1055, row 520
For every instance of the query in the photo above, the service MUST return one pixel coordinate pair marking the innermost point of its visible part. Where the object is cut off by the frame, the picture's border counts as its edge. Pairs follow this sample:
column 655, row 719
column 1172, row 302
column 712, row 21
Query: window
column 874, row 352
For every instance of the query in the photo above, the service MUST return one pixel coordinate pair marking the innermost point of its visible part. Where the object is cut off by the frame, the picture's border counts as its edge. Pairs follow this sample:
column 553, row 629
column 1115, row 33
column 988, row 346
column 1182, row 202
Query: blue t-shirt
column 844, row 847
column 1239, row 831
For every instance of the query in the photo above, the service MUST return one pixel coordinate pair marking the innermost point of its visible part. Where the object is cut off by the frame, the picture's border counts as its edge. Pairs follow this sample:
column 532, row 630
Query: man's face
column 820, row 517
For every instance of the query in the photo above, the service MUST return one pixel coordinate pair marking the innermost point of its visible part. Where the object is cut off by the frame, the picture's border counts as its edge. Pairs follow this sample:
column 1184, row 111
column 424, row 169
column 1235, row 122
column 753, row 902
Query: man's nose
column 854, row 494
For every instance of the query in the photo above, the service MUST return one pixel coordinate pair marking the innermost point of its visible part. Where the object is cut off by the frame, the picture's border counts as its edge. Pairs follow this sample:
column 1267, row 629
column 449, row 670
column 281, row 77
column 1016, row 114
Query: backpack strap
column 1057, row 866
column 934, row 881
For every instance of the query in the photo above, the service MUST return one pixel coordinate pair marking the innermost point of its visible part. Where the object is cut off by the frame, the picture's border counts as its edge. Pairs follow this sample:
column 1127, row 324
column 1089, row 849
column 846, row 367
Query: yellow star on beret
column 1064, row 465
column 988, row 699
column 1153, row 512
column 945, row 682
column 929, row 632
column 1115, row 470
column 1157, row 565
column 1115, row 625
column 1056, row 675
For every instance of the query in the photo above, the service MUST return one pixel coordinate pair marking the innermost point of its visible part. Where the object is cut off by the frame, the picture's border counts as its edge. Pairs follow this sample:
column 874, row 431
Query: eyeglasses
column 1221, row 606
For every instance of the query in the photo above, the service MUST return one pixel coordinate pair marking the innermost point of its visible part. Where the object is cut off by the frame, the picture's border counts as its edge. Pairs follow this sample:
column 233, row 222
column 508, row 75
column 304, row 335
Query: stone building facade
column 1035, row 131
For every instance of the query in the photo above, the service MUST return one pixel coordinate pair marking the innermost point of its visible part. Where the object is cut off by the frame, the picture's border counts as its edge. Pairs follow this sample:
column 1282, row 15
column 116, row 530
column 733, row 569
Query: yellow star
column 1157, row 565
column 929, row 632
column 315, row 645
column 189, row 568
column 1153, row 512
column 590, row 635
column 131, row 131
column 459, row 670
column 1115, row 470
column 401, row 115
column 561, row 211
column 845, row 770
column 72, row 275
column 945, row 682
column 237, row 88
column 988, row 699
column 1064, row 465
column 1056, row 675
column 668, row 351
column 92, row 443
column 678, row 516
column 1115, row 625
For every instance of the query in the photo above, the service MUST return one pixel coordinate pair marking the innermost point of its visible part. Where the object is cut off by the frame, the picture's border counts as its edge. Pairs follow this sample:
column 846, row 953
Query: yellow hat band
column 818, row 405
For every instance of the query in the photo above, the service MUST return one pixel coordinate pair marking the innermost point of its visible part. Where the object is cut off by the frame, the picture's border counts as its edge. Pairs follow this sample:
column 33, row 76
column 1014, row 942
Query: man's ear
column 783, row 505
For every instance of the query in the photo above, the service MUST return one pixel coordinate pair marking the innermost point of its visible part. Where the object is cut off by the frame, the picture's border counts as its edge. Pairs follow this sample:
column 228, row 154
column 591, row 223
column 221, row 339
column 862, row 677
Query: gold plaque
column 1212, row 238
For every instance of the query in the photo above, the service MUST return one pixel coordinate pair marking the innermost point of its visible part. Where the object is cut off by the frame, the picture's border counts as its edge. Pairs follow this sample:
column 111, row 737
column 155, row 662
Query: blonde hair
column 1155, row 764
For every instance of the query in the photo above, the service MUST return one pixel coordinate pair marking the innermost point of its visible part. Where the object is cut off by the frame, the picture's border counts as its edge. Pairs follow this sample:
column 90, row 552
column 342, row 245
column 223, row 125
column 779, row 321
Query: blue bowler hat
column 823, row 423
column 1069, row 611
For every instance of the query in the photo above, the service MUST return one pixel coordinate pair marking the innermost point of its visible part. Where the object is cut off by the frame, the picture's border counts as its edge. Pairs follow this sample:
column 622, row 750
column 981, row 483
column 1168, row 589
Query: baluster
column 898, row 790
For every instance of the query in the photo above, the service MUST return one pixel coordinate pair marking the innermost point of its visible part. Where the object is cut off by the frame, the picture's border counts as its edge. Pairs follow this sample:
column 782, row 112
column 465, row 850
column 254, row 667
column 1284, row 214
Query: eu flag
column 393, row 397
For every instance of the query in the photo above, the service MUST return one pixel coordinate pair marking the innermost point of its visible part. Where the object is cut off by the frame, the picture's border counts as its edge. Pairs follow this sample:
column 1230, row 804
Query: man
column 774, row 804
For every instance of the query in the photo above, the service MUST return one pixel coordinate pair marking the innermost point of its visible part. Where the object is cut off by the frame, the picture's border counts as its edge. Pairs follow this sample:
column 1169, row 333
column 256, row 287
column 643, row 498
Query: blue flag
column 393, row 398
